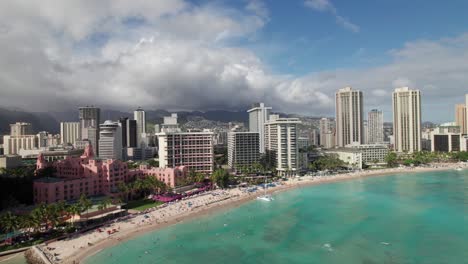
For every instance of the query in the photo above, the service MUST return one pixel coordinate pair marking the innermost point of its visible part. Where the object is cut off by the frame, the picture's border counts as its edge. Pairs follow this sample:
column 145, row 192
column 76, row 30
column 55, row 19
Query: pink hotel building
column 75, row 176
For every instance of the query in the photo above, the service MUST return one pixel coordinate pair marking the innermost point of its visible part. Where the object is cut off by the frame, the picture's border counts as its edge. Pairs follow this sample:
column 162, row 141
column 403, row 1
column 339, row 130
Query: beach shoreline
column 76, row 250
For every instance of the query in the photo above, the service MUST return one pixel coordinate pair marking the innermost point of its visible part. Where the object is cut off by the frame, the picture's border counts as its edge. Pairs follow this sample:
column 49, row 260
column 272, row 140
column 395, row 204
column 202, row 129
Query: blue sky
column 298, row 39
column 219, row 54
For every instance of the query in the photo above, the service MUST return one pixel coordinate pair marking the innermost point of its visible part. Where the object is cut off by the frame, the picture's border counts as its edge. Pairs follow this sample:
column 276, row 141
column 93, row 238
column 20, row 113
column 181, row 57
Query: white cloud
column 180, row 58
column 327, row 6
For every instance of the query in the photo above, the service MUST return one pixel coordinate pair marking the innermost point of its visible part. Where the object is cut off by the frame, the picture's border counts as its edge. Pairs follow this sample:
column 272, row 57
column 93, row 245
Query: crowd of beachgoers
column 74, row 249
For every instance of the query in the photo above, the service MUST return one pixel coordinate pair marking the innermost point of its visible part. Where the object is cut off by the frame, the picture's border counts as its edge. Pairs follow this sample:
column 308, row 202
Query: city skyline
column 235, row 53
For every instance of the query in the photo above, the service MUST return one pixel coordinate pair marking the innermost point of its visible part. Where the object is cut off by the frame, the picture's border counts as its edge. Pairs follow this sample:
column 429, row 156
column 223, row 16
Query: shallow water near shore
column 418, row 218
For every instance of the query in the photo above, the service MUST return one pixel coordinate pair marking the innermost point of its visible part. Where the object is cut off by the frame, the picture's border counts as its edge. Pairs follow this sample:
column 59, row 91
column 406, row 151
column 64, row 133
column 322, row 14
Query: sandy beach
column 76, row 249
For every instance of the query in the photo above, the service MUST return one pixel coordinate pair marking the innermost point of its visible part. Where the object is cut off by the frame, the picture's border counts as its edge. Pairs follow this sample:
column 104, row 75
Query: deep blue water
column 415, row 218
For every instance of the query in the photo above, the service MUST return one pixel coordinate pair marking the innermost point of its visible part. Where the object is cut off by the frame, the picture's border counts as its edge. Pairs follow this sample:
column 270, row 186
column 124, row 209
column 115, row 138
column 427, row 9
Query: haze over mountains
column 50, row 121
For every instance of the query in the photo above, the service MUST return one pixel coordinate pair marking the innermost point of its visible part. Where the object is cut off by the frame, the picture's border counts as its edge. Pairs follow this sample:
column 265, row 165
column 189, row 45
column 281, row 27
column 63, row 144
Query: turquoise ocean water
column 418, row 218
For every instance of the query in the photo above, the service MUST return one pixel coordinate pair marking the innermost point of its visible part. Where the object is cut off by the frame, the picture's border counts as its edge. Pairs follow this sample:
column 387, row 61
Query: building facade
column 243, row 149
column 90, row 118
column 258, row 116
column 195, row 150
column 129, row 132
column 70, row 133
column 349, row 117
column 446, row 138
column 327, row 133
column 139, row 116
column 281, row 135
column 85, row 175
column 351, row 156
column 375, row 127
column 13, row 144
column 372, row 153
column 110, row 140
column 460, row 117
column 407, row 120
column 21, row 129
column 10, row 161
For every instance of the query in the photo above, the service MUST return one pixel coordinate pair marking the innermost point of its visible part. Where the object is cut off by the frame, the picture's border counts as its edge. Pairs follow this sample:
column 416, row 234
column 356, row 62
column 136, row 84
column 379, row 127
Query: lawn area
column 141, row 205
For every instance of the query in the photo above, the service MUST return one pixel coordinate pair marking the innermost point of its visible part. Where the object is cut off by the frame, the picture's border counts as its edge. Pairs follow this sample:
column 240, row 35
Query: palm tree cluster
column 46, row 217
column 142, row 187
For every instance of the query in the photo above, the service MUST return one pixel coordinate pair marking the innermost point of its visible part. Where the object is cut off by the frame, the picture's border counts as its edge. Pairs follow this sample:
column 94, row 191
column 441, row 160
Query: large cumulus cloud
column 176, row 55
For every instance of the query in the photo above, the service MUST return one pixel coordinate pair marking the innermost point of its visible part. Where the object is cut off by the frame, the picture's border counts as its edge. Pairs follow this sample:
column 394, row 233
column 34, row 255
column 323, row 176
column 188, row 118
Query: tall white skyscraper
column 281, row 135
column 140, row 116
column 349, row 117
column 70, row 132
column 258, row 116
column 375, row 127
column 110, row 140
column 407, row 120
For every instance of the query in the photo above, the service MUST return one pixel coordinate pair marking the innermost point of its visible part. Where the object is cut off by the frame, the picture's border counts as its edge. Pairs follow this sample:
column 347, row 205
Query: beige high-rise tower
column 375, row 127
column 407, row 120
column 349, row 117
column 460, row 117
column 466, row 106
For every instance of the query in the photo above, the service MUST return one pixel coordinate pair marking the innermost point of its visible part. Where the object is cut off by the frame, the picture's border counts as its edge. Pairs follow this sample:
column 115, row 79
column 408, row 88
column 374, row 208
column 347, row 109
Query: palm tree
column 124, row 190
column 9, row 223
column 104, row 203
column 85, row 203
column 74, row 209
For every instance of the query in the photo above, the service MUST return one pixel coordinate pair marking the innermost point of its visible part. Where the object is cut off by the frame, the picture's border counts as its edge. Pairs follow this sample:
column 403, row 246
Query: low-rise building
column 446, row 138
column 351, row 156
column 13, row 144
column 10, row 161
column 372, row 153
column 85, row 175
column 51, row 153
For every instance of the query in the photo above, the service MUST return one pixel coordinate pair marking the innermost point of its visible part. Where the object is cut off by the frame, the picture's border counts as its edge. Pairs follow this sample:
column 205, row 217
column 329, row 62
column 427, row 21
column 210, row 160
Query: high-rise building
column 460, row 117
column 365, row 130
column 281, row 135
column 314, row 137
column 21, row 129
column 466, row 107
column 110, row 140
column 70, row 132
column 349, row 117
column 140, row 116
column 327, row 133
column 90, row 118
column 129, row 132
column 169, row 124
column 325, row 125
column 243, row 149
column 258, row 116
column 192, row 149
column 46, row 139
column 407, row 120
column 375, row 127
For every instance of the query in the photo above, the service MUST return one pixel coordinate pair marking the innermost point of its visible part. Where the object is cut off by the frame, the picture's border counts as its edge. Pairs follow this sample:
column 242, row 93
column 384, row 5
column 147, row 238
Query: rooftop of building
column 343, row 149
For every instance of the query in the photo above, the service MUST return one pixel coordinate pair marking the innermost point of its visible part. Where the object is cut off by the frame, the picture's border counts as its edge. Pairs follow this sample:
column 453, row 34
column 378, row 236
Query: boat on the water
column 265, row 197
